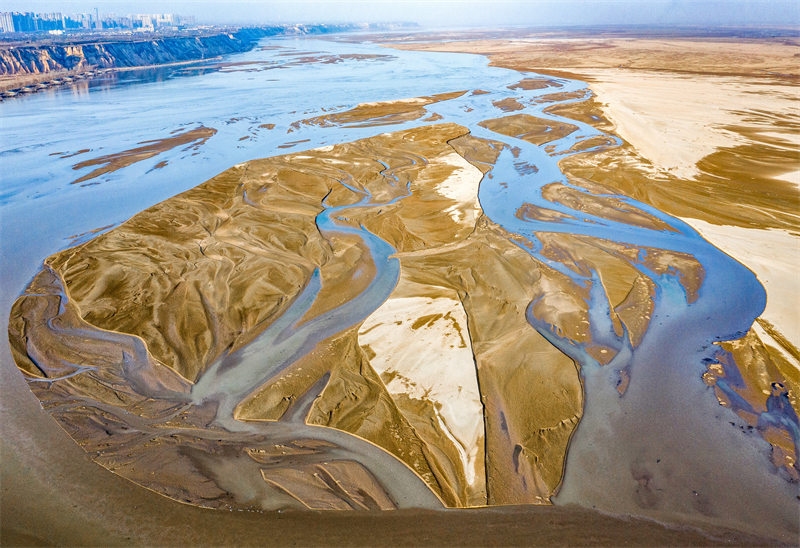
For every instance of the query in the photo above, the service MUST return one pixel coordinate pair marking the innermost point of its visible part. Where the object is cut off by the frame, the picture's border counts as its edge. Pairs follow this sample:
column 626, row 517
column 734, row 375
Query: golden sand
column 709, row 129
column 251, row 232
column 380, row 113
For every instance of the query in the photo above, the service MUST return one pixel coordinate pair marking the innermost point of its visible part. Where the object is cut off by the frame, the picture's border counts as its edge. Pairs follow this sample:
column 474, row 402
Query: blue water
column 666, row 447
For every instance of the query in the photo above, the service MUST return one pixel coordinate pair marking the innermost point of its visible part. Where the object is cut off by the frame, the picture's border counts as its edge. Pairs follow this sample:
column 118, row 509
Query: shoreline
column 33, row 83
column 21, row 64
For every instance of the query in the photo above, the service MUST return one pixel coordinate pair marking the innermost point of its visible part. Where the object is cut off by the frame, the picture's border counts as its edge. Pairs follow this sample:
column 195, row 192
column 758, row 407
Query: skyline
column 450, row 13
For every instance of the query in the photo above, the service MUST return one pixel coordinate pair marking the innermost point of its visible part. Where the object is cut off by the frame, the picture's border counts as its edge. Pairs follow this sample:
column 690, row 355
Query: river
column 666, row 439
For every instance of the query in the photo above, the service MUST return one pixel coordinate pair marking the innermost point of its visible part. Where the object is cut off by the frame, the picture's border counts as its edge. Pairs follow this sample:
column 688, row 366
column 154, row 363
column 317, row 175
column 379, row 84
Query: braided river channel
column 661, row 446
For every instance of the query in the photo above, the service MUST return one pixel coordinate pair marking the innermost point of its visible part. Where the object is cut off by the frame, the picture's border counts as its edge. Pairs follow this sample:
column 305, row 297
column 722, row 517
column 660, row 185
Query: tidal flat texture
column 508, row 299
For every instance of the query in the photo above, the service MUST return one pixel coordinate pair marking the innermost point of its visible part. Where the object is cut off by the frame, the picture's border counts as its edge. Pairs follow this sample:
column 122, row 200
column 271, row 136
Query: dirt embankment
column 44, row 59
column 27, row 65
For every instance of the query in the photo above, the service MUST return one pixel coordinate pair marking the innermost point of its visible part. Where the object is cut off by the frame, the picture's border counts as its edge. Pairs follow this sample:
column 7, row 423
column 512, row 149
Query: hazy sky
column 439, row 13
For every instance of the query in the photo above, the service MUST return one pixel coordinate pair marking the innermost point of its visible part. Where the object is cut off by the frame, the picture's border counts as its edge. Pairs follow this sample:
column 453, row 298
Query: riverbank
column 25, row 69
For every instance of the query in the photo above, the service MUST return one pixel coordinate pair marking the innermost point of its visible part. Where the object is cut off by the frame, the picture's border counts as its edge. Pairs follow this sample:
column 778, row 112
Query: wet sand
column 710, row 126
column 191, row 139
column 434, row 266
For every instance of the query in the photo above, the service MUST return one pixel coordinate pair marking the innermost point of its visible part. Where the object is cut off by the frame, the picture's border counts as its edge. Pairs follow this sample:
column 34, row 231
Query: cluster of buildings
column 57, row 23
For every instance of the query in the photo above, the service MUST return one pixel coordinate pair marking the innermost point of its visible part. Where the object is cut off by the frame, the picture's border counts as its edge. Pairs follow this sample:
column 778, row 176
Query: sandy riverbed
column 450, row 264
column 710, row 129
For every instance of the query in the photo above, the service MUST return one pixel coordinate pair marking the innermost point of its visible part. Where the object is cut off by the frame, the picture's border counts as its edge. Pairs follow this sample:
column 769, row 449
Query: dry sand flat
column 675, row 120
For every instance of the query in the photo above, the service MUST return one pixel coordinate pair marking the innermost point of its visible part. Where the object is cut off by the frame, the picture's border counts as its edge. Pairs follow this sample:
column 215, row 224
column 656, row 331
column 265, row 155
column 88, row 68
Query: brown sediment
column 535, row 130
column 532, row 83
column 743, row 184
column 381, row 113
column 481, row 153
column 530, row 211
column 71, row 154
column 723, row 56
column 765, row 372
column 203, row 273
column 607, row 207
column 582, row 112
column 336, row 485
column 560, row 96
column 88, row 232
column 301, row 58
column 637, row 309
column 594, row 142
column 291, row 144
column 333, row 59
column 509, row 104
column 109, row 163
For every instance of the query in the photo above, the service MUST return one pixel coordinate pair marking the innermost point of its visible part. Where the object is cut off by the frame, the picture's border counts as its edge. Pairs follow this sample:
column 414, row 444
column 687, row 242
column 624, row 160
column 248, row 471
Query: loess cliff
column 42, row 59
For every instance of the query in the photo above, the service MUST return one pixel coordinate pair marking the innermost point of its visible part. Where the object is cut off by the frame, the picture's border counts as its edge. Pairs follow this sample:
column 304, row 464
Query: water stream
column 665, row 447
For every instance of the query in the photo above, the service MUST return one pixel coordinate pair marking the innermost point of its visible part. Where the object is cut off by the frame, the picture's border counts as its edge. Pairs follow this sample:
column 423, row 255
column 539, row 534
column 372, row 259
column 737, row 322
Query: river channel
column 667, row 437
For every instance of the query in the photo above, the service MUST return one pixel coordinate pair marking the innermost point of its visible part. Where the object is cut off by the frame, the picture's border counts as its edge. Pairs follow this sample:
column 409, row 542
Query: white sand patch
column 769, row 340
column 424, row 340
column 774, row 256
column 675, row 120
column 462, row 187
column 408, row 101
column 792, row 177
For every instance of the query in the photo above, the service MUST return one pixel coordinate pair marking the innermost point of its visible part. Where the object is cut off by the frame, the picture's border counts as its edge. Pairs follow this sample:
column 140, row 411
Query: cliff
column 42, row 59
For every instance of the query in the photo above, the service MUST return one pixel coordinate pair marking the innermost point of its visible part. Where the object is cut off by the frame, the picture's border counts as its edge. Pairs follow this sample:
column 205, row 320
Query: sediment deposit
column 709, row 136
column 26, row 65
column 142, row 283
column 428, row 317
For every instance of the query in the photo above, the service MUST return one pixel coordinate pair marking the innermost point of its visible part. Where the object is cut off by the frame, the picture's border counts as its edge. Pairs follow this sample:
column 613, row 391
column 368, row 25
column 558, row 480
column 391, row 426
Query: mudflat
column 403, row 371
column 710, row 126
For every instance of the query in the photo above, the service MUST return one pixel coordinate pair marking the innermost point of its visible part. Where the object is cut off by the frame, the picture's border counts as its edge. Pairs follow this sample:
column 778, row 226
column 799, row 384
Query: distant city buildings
column 53, row 22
